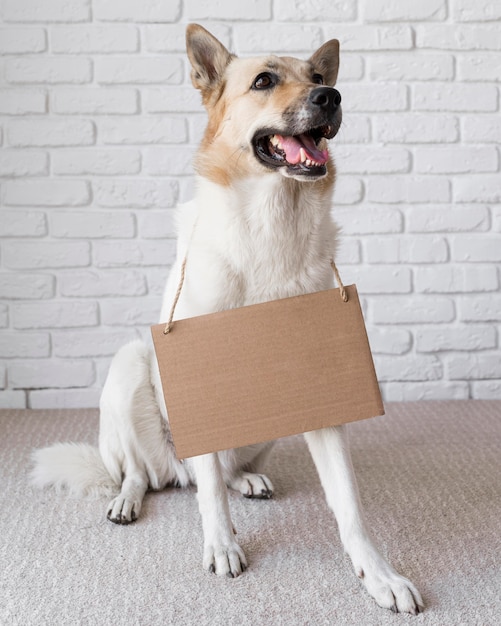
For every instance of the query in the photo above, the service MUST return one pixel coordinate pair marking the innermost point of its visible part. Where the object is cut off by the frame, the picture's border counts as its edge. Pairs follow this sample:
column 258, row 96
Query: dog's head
column 267, row 114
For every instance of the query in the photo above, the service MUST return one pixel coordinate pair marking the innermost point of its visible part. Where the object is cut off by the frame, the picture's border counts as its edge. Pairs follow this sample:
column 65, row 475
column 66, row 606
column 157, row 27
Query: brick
column 4, row 316
column 447, row 219
column 14, row 163
column 486, row 390
column 15, row 286
column 403, row 10
column 412, row 367
column 453, row 97
column 53, row 11
column 496, row 225
column 348, row 190
column 389, row 340
column 64, row 398
column 92, row 224
column 46, row 192
column 149, row 130
column 406, row 250
column 22, row 101
column 172, row 38
column 413, row 310
column 95, row 100
column 172, row 100
column 378, row 160
column 474, row 366
column 363, row 37
column 24, row 345
column 475, row 249
column 98, row 161
column 157, row 224
column 379, row 280
column 18, row 223
column 45, row 254
column 368, row 220
column 298, row 11
column 228, row 10
column 142, row 70
column 48, row 70
column 169, row 161
column 410, row 392
column 457, row 37
column 411, row 67
column 56, row 132
column 455, row 279
column 90, row 343
column 455, row 160
column 3, row 376
column 355, row 129
column 22, row 40
column 478, row 308
column 481, row 128
column 135, row 193
column 130, row 311
column 409, row 189
column 282, row 38
column 48, row 373
column 464, row 338
column 482, row 188
column 137, row 10
column 55, row 314
column 10, row 399
column 94, row 38
column 348, row 252
column 480, row 10
column 416, row 128
column 352, row 68
column 375, row 98
column 102, row 284
column 478, row 67
column 132, row 254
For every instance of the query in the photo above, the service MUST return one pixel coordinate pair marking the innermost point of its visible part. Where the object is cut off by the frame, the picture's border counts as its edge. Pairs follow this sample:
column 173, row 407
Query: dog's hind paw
column 257, row 486
column 227, row 561
column 123, row 511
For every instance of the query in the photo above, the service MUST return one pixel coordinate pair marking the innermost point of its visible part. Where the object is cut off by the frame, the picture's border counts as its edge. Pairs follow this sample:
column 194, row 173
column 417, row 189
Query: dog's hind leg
column 329, row 449
column 133, row 440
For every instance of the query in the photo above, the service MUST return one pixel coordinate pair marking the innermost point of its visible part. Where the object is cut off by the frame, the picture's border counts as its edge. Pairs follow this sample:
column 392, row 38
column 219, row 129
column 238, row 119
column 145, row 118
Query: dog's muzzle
column 300, row 149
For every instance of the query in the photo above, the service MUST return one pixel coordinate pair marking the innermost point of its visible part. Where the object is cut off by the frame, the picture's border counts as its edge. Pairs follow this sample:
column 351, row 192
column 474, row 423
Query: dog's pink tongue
column 292, row 148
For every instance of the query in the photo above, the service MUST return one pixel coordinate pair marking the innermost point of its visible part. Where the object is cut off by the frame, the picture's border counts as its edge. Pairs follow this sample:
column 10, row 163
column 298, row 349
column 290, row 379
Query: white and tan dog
column 258, row 229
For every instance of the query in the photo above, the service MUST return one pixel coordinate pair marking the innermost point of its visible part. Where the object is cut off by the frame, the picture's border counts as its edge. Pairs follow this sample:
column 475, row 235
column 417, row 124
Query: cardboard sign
column 266, row 371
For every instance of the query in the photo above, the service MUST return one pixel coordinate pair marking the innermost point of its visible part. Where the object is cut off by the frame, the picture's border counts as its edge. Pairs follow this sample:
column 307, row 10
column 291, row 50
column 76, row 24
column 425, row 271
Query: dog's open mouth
column 304, row 154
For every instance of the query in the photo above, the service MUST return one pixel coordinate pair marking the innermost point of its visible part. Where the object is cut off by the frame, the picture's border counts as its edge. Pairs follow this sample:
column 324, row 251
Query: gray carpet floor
column 430, row 480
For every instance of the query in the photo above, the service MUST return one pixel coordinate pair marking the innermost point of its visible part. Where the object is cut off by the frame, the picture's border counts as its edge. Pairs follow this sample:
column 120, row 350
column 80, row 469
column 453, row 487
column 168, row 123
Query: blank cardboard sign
column 266, row 371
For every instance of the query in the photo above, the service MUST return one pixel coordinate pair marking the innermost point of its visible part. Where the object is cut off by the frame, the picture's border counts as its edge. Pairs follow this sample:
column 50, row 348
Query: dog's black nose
column 326, row 98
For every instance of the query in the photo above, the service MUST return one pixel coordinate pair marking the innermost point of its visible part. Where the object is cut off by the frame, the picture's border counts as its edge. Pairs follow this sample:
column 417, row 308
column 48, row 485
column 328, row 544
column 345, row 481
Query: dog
column 259, row 229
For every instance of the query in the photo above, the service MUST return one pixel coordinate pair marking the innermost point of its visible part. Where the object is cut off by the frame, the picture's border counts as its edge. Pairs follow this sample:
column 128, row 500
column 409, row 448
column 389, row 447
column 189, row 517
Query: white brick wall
column 98, row 123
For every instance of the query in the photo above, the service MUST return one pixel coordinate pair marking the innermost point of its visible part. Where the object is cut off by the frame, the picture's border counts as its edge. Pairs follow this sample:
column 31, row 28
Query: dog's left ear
column 326, row 61
column 208, row 58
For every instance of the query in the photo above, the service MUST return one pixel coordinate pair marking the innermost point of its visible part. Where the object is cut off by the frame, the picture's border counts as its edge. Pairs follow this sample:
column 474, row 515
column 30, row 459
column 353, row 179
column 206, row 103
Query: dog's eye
column 318, row 79
column 265, row 81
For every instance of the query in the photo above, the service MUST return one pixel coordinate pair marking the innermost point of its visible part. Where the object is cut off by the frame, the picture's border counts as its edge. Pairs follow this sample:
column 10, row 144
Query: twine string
column 168, row 325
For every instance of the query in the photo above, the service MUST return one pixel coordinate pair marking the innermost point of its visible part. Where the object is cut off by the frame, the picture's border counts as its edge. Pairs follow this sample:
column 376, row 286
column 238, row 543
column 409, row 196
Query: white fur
column 262, row 238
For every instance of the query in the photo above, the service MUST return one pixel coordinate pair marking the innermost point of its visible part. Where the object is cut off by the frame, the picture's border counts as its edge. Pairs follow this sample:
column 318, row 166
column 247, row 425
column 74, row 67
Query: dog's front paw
column 225, row 560
column 389, row 589
column 257, row 486
column 123, row 510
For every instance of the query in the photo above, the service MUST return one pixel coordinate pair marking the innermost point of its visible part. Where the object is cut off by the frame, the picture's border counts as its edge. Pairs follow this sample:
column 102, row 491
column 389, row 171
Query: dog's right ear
column 208, row 58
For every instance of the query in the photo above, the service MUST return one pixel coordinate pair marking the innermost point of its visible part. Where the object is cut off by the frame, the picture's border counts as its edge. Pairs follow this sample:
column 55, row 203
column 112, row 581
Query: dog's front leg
column 222, row 554
column 330, row 452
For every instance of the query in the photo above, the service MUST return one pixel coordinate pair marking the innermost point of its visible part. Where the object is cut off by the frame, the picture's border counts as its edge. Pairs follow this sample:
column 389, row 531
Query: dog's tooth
column 302, row 155
column 274, row 141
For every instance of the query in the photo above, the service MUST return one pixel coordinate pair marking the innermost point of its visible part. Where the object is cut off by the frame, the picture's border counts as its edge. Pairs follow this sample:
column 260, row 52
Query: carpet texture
column 430, row 480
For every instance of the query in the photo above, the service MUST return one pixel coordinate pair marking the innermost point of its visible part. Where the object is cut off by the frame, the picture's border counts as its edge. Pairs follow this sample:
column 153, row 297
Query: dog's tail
column 77, row 467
